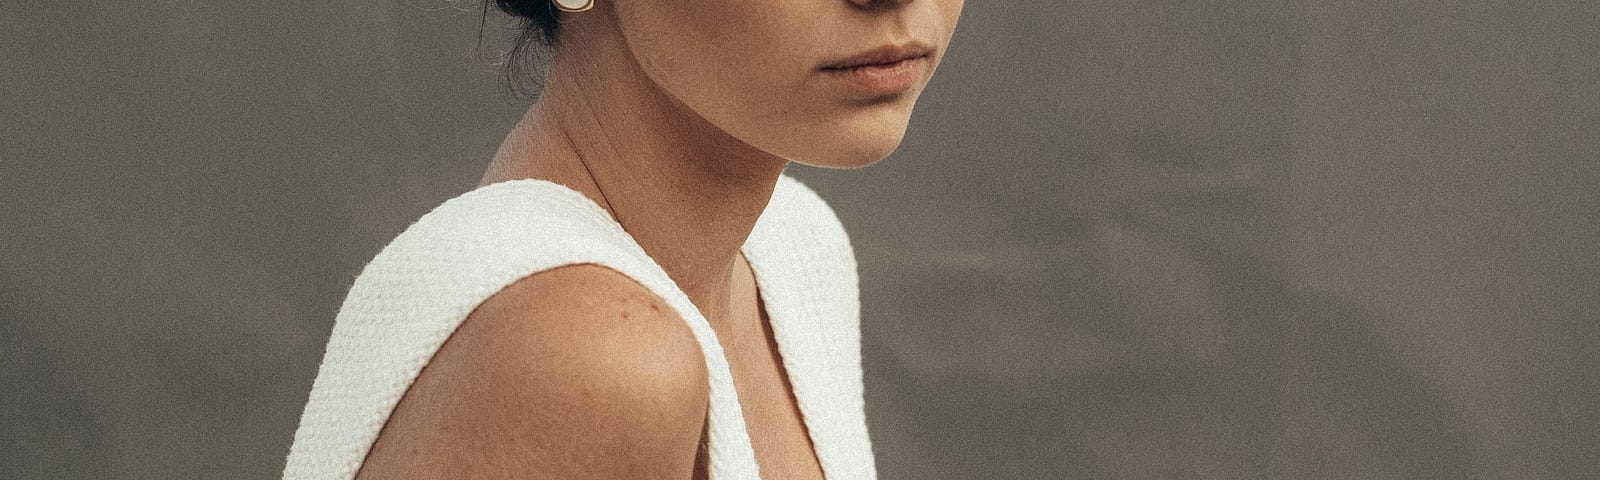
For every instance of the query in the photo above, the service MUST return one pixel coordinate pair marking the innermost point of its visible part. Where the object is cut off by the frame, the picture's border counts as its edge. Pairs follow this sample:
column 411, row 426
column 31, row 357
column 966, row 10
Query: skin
column 677, row 117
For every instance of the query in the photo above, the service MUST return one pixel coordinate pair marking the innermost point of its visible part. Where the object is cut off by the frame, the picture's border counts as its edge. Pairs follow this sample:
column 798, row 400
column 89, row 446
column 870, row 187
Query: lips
column 884, row 55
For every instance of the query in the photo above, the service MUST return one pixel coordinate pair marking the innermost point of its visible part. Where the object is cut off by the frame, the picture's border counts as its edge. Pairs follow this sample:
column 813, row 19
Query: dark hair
column 540, row 19
column 539, row 24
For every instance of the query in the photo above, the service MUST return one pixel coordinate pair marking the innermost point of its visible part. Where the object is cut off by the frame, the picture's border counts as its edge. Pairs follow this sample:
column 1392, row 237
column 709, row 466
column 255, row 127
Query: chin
column 850, row 156
column 852, row 145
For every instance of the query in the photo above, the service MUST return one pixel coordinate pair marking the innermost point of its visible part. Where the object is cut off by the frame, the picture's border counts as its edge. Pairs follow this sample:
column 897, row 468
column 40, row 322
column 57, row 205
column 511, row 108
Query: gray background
column 1122, row 239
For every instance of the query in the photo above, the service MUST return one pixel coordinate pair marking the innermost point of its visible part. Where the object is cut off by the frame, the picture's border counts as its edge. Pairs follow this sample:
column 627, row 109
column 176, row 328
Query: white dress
column 420, row 287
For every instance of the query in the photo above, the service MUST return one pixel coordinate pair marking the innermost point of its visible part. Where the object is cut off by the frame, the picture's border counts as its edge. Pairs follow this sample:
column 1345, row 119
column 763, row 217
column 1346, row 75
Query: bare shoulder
column 576, row 371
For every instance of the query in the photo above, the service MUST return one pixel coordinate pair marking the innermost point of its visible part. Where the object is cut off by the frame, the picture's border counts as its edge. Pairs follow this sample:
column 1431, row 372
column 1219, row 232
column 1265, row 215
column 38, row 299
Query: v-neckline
column 765, row 298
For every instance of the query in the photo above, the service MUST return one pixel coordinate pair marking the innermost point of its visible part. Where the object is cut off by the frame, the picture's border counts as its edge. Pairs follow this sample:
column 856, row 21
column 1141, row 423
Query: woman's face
column 754, row 68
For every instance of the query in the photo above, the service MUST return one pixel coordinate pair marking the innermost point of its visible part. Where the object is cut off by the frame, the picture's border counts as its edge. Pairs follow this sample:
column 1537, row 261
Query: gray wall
column 1123, row 239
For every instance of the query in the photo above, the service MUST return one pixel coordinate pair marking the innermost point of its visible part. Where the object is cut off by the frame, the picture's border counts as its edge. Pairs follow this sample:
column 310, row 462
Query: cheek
column 689, row 41
column 743, row 65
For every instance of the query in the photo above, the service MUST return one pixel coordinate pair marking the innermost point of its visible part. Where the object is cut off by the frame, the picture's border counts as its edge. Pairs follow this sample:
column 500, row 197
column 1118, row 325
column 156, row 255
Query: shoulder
column 449, row 260
column 573, row 370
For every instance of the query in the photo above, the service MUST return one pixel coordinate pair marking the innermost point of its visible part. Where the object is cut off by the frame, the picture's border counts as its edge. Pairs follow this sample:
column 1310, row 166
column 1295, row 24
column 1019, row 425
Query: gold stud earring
column 573, row 5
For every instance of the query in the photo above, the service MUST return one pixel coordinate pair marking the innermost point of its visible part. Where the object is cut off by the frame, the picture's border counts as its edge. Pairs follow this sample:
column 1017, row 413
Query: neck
column 685, row 190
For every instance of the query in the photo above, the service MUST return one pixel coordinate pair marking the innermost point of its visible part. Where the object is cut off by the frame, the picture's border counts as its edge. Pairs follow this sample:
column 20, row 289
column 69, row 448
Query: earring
column 572, row 5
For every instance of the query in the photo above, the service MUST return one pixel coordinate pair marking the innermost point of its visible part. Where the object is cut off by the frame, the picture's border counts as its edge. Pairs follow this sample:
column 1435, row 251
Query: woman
column 635, row 290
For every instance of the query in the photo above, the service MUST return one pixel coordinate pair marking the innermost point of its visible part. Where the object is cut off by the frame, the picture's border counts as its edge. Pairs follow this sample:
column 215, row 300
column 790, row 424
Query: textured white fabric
column 420, row 287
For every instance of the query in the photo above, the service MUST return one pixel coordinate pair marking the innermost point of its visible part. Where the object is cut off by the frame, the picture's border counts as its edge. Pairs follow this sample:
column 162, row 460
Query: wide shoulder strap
column 806, row 267
column 410, row 298
column 803, row 244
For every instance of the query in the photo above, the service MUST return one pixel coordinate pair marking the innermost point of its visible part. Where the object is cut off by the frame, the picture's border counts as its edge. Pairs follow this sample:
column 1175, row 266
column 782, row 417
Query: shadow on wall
column 1148, row 357
column 1131, row 316
column 37, row 385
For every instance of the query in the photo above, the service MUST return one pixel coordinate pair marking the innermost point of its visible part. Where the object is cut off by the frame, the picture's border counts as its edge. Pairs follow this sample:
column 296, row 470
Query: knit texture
column 421, row 286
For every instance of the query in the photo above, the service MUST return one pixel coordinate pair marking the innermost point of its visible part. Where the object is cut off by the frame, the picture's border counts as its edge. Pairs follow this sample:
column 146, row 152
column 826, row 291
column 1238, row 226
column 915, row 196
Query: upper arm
column 574, row 372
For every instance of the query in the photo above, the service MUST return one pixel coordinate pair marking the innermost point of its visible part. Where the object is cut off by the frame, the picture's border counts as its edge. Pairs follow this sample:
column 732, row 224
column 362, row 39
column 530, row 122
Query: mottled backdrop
column 1122, row 239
